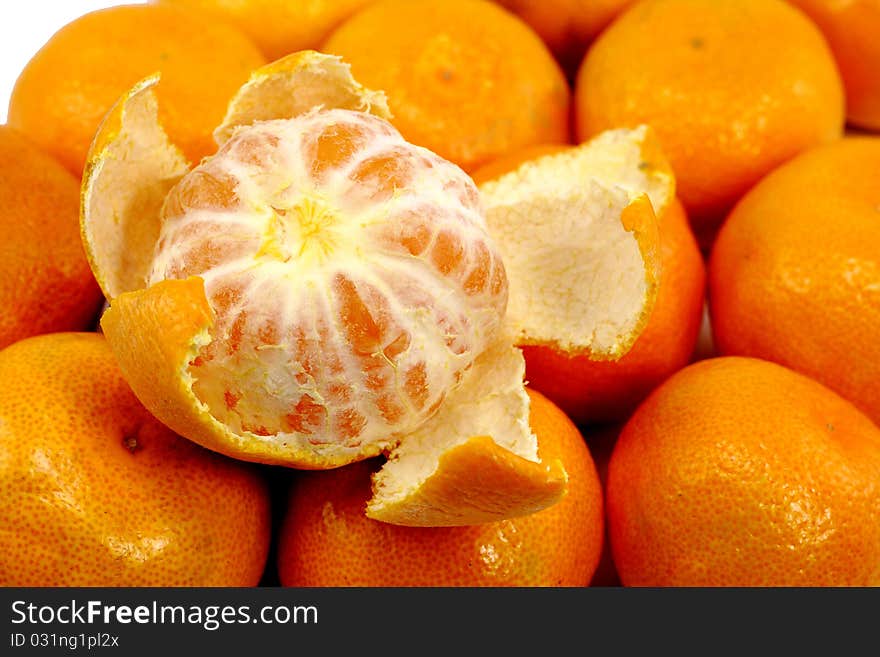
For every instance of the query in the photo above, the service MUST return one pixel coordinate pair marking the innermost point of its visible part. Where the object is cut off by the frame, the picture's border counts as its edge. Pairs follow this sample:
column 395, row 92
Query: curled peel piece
column 130, row 167
column 632, row 159
column 577, row 230
column 156, row 333
column 296, row 84
column 476, row 460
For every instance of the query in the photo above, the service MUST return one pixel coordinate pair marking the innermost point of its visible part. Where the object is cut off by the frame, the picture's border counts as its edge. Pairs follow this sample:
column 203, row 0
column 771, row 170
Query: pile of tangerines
column 290, row 349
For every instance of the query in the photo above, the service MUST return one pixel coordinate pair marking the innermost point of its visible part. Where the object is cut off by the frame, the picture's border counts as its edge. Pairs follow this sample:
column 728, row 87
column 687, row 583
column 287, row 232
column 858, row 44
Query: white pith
column 578, row 278
column 490, row 402
column 316, row 80
column 289, row 237
column 118, row 199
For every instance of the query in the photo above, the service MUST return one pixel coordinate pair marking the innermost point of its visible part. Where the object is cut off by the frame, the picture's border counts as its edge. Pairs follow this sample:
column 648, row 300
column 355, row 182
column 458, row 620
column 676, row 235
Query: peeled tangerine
column 320, row 291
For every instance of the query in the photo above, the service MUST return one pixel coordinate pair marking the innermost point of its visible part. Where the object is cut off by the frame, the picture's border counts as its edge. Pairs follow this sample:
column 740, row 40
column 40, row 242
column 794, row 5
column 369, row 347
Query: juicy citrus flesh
column 161, row 330
column 326, row 540
column 739, row 472
column 350, row 273
column 94, row 491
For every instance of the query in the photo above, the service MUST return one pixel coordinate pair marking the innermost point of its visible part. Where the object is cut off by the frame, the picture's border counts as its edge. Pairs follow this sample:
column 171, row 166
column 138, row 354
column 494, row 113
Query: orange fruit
column 325, row 539
column 740, row 472
column 725, row 114
column 64, row 91
column 45, row 281
column 464, row 78
column 567, row 26
column 318, row 292
column 851, row 29
column 795, row 274
column 278, row 27
column 590, row 390
column 94, row 491
column 321, row 291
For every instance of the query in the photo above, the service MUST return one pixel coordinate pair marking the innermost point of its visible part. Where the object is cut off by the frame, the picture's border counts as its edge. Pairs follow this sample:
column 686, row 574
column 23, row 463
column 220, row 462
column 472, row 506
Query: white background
column 25, row 27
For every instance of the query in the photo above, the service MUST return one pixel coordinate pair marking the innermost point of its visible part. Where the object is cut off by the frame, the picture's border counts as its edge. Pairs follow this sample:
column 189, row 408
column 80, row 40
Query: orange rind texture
column 577, row 230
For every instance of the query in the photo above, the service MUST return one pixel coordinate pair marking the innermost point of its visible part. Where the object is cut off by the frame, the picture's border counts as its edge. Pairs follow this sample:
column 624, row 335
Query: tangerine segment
column 295, row 84
column 578, row 234
column 130, row 167
column 348, row 298
column 430, row 480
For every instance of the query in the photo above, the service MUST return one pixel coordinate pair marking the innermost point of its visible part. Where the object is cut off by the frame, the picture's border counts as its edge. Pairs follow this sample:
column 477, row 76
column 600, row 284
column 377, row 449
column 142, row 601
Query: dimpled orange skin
column 795, row 273
column 604, row 391
column 95, row 492
column 567, row 26
column 326, row 540
column 278, row 27
column 726, row 100
column 464, row 78
column 851, row 29
column 45, row 281
column 66, row 89
column 739, row 472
